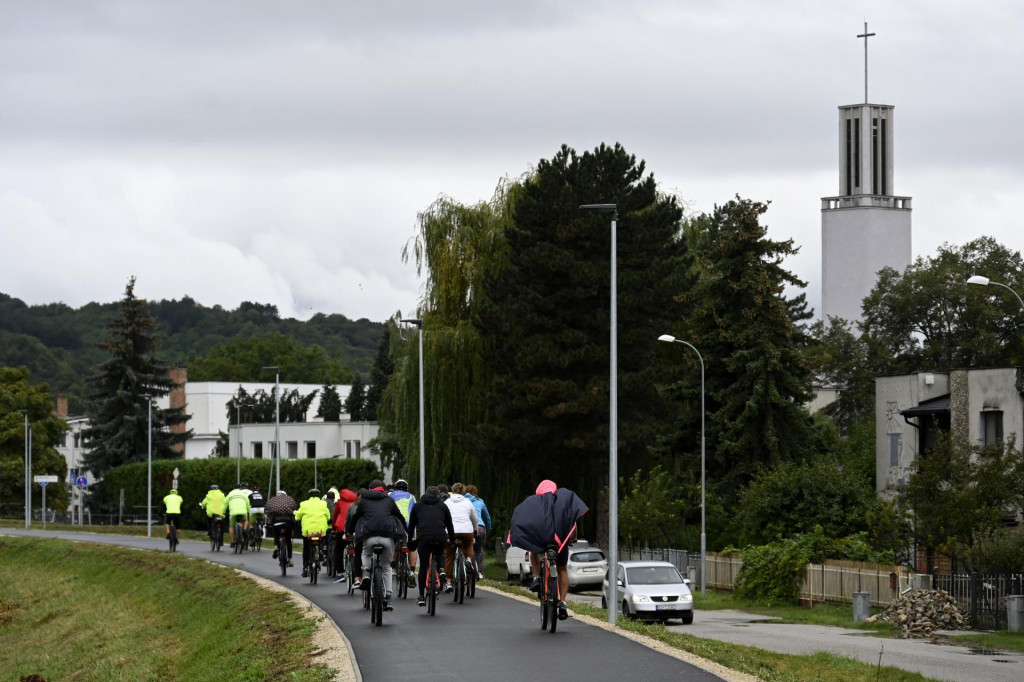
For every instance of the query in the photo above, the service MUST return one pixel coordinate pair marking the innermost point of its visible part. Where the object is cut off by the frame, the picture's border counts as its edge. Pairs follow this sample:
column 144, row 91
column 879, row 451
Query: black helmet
column 401, row 484
column 214, row 487
column 314, row 492
column 243, row 484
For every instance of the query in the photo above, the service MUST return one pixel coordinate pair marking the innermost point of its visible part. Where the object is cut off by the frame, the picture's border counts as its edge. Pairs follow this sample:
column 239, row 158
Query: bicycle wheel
column 552, row 602
column 329, row 557
column 350, row 578
column 219, row 535
column 213, row 538
column 173, row 538
column 314, row 568
column 543, row 609
column 238, row 538
column 460, row 571
column 259, row 537
column 471, row 584
column 282, row 555
column 378, row 594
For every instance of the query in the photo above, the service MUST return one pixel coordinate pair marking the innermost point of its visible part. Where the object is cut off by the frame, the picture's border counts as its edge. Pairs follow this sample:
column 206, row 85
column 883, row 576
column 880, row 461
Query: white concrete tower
column 866, row 227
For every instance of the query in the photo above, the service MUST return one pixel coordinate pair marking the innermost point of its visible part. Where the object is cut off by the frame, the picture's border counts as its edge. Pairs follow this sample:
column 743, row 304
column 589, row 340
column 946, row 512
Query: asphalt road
column 491, row 637
column 935, row 661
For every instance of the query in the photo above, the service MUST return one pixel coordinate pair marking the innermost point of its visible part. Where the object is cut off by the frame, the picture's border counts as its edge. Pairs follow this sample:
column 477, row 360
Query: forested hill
column 58, row 343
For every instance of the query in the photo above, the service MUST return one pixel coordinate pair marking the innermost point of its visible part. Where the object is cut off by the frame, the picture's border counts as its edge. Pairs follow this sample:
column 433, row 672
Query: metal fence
column 981, row 596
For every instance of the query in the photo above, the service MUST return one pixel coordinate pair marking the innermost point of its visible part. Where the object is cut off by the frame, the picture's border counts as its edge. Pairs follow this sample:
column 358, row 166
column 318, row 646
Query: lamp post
column 28, row 477
column 985, row 281
column 423, row 456
column 149, row 474
column 703, row 536
column 238, row 426
column 613, row 426
column 277, row 421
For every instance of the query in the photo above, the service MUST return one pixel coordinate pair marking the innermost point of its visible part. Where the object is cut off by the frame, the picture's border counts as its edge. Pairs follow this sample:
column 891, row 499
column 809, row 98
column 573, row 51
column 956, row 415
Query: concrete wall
column 893, row 394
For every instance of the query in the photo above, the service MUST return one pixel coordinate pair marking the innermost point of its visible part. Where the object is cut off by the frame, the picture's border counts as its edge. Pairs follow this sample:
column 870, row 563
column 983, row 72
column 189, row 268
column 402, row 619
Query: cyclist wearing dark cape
column 547, row 518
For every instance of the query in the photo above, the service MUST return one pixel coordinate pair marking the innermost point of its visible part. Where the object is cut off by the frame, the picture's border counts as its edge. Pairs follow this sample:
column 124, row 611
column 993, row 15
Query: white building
column 982, row 405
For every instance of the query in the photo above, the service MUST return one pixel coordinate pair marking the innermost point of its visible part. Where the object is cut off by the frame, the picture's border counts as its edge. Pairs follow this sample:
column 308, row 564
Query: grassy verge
column 1002, row 641
column 91, row 612
column 134, row 530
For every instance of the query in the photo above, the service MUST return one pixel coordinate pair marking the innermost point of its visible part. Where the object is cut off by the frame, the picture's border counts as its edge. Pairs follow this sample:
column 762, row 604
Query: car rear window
column 653, row 575
column 591, row 555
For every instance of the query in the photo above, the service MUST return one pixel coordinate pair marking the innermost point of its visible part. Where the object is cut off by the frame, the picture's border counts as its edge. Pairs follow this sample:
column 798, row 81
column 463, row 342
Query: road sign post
column 43, row 481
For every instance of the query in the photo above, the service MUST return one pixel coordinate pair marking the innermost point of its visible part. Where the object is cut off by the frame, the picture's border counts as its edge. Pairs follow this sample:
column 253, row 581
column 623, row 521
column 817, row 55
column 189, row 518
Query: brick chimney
column 62, row 407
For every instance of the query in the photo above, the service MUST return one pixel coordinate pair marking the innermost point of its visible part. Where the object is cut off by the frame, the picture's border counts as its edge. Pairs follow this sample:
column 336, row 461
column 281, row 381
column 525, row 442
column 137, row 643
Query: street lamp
column 149, row 474
column 28, row 476
column 277, row 420
column 613, row 427
column 423, row 456
column 985, row 281
column 703, row 536
column 238, row 426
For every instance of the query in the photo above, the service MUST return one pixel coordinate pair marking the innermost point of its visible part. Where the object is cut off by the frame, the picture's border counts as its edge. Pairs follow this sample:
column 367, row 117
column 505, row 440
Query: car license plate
column 588, row 570
column 664, row 607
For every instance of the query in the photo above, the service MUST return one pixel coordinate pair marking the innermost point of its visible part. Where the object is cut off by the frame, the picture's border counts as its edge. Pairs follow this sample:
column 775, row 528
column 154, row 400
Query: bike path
column 490, row 637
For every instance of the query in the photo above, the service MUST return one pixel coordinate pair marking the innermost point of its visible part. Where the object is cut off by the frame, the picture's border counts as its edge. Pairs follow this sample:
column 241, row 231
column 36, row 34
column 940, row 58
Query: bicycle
column 460, row 572
column 350, row 564
column 376, row 590
column 240, row 537
column 549, row 589
column 471, row 578
column 315, row 558
column 281, row 544
column 217, row 534
column 172, row 538
column 256, row 535
column 433, row 584
column 403, row 572
column 329, row 558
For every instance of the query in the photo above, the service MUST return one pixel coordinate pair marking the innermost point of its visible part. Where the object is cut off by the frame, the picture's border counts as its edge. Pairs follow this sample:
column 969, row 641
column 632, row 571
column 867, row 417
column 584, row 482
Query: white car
column 652, row 590
column 587, row 565
column 517, row 564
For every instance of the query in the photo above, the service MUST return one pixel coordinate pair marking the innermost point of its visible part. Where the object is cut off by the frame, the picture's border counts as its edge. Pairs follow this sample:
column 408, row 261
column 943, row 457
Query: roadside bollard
column 861, row 606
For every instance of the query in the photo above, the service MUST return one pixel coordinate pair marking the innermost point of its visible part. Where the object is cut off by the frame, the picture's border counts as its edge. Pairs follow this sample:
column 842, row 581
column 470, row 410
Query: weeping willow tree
column 454, row 245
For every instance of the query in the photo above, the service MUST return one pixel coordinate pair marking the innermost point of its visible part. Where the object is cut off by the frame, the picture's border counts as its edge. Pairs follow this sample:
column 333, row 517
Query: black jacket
column 378, row 515
column 541, row 520
column 430, row 519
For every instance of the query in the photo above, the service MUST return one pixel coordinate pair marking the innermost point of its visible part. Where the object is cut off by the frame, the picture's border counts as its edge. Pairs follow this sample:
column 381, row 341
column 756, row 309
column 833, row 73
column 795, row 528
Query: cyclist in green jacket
column 172, row 510
column 238, row 506
column 314, row 517
column 215, row 505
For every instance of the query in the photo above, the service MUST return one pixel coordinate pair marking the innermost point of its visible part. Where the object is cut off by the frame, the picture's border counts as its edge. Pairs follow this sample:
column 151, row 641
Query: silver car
column 587, row 566
column 652, row 590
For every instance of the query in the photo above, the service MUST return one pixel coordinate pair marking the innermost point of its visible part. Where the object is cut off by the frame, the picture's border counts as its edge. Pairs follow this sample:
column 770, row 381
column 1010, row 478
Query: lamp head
column 978, row 279
column 668, row 338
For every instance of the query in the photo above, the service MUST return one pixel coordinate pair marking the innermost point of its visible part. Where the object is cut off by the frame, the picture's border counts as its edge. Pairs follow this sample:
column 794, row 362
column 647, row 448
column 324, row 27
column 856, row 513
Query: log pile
column 919, row 613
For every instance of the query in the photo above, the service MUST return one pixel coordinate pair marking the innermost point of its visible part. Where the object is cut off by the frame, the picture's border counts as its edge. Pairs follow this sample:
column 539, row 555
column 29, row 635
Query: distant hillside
column 58, row 343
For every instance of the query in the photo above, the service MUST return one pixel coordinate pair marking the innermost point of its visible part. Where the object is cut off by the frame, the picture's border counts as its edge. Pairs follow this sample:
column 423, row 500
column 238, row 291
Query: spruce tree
column 355, row 403
column 544, row 312
column 119, row 414
column 383, row 368
column 330, row 403
column 757, row 380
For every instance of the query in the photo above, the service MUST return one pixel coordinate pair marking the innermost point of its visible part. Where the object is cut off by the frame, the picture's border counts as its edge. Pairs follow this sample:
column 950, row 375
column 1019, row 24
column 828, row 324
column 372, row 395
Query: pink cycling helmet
column 546, row 486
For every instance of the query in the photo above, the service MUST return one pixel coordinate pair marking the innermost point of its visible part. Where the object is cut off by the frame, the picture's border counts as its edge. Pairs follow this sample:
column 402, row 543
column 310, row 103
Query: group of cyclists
column 392, row 516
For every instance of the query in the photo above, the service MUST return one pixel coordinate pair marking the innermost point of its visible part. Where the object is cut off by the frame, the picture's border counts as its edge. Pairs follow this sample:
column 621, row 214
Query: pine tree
column 355, row 403
column 119, row 415
column 757, row 379
column 330, row 403
column 383, row 368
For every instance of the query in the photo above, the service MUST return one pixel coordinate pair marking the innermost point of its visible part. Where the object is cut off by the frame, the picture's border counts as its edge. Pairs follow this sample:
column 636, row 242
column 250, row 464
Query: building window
column 358, row 449
column 894, row 449
column 292, row 448
column 991, row 427
column 856, row 156
column 348, row 449
column 311, row 450
column 257, row 450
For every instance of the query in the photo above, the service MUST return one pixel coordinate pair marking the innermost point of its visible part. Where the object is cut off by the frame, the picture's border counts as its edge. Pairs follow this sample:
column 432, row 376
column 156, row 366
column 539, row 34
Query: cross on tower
column 865, row 35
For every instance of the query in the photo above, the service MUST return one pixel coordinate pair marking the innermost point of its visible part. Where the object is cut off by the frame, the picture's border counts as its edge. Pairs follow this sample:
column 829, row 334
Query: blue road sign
column 81, row 482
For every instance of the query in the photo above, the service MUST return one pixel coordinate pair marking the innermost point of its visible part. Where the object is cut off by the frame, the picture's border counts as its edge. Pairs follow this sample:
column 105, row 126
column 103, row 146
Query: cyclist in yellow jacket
column 314, row 517
column 172, row 510
column 215, row 504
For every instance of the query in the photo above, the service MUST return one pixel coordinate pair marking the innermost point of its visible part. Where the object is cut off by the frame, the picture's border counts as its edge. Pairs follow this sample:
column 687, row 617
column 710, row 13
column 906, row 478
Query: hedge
column 197, row 475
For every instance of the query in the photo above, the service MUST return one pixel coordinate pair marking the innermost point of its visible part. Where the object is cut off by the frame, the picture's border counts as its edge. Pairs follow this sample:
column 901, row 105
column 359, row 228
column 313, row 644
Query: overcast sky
column 279, row 152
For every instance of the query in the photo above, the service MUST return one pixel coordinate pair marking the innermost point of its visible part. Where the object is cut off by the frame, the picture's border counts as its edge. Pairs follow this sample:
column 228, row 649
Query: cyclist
column 547, row 518
column 281, row 514
column 331, row 498
column 257, row 507
column 172, row 510
column 378, row 521
column 346, row 498
column 238, row 510
column 405, row 501
column 314, row 517
column 465, row 521
column 483, row 526
column 350, row 533
column 431, row 521
column 215, row 505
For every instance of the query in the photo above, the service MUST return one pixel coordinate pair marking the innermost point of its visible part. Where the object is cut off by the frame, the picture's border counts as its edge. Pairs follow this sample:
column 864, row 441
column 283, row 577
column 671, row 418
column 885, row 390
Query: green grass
column 91, row 612
column 837, row 615
column 134, row 530
column 1002, row 641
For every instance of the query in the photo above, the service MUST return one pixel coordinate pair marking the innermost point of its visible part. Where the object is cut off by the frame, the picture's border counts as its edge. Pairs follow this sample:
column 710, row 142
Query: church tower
column 866, row 227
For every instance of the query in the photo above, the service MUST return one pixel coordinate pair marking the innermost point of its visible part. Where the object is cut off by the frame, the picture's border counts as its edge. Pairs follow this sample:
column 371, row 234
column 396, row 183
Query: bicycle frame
column 549, row 589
